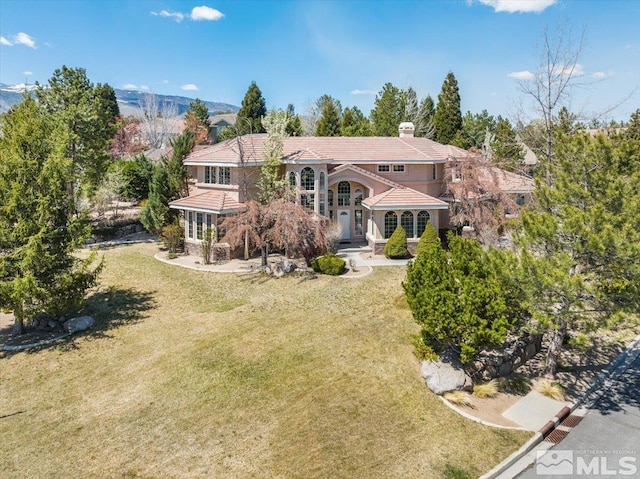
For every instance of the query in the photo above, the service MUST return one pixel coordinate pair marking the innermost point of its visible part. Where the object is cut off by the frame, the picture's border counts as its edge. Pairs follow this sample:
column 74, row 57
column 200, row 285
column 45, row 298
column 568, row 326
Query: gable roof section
column 208, row 202
column 300, row 149
column 403, row 199
column 363, row 172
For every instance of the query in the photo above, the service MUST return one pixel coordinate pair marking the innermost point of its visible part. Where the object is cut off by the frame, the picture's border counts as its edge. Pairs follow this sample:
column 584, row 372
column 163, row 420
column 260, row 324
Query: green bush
column 329, row 264
column 428, row 239
column 396, row 246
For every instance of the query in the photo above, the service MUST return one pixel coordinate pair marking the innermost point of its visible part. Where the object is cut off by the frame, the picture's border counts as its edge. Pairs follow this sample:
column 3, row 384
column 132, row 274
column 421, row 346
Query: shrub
column 172, row 237
column 515, row 385
column 428, row 239
column 486, row 390
column 549, row 389
column 396, row 247
column 206, row 247
column 329, row 264
column 459, row 398
column 423, row 351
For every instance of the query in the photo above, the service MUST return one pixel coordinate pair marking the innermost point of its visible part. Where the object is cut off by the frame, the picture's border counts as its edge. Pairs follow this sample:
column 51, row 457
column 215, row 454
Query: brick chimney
column 406, row 129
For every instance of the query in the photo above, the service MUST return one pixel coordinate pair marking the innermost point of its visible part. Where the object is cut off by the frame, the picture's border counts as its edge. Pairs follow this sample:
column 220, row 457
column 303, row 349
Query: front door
column 344, row 220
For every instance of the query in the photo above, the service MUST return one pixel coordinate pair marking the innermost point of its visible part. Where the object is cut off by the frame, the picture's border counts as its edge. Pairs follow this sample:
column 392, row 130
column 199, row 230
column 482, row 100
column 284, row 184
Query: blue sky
column 297, row 51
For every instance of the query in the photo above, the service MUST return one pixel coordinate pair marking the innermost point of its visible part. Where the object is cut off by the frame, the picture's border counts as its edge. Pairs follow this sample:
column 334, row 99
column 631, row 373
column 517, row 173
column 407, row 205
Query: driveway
column 606, row 443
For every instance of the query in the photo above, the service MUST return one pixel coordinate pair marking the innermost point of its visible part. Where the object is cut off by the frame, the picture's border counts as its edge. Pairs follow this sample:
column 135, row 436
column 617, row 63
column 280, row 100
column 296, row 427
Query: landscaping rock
column 289, row 266
column 442, row 377
column 80, row 323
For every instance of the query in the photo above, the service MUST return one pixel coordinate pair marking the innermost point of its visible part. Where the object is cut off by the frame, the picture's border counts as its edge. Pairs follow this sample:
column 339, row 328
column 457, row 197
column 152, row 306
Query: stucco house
column 368, row 185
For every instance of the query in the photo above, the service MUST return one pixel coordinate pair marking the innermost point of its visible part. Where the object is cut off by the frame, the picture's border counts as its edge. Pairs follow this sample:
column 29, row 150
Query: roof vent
column 406, row 129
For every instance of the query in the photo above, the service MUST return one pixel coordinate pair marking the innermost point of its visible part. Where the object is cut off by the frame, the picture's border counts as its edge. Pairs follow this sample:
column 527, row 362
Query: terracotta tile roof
column 363, row 172
column 402, row 198
column 210, row 201
column 332, row 149
column 509, row 182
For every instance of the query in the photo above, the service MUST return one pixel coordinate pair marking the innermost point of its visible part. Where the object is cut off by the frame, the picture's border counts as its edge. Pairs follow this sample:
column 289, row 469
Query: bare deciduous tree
column 159, row 120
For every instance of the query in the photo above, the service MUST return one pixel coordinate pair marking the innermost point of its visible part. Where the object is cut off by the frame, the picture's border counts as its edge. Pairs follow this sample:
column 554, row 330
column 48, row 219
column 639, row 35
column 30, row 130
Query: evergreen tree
column 294, row 123
column 466, row 300
column 428, row 239
column 396, row 246
column 388, row 112
column 90, row 115
column 632, row 131
column 39, row 230
column 448, row 118
column 411, row 106
column 580, row 243
column 354, row 123
column 197, row 121
column 424, row 124
column 252, row 109
column 474, row 129
column 156, row 214
column 177, row 175
column 506, row 151
column 330, row 116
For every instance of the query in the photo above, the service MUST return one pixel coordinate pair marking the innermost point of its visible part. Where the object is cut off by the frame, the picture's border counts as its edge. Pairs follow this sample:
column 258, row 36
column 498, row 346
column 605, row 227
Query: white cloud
column 167, row 14
column 189, row 87
column 24, row 39
column 362, row 92
column 129, row 86
column 197, row 13
column 144, row 87
column 602, row 75
column 4, row 41
column 27, row 73
column 519, row 6
column 522, row 75
column 206, row 13
column 576, row 70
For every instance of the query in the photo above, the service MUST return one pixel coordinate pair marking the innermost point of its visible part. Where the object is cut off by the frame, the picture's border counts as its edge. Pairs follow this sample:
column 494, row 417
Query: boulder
column 80, row 323
column 442, row 376
column 289, row 266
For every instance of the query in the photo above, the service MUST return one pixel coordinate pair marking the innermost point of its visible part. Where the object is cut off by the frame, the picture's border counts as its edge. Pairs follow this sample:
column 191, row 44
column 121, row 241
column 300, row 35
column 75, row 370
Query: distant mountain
column 129, row 101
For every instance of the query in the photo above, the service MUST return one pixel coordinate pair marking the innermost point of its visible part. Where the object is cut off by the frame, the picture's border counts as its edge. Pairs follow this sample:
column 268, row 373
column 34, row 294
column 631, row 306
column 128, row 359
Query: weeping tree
column 39, row 227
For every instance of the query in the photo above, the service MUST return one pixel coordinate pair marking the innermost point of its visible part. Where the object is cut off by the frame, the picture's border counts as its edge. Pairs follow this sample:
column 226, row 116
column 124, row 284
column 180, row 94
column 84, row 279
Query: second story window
column 344, row 193
column 217, row 175
column 307, row 179
column 398, row 168
column 383, row 168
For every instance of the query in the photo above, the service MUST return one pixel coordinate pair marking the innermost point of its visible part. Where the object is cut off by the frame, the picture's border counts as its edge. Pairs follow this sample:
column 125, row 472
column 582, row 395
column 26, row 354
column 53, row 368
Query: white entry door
column 344, row 220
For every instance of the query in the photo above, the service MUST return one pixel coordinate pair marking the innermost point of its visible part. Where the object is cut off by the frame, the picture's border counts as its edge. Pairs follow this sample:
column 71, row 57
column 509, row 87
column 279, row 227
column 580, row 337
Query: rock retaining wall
column 498, row 363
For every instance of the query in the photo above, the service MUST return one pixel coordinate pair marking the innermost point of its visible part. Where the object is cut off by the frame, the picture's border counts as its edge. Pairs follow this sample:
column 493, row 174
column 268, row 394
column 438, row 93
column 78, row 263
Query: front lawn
column 201, row 375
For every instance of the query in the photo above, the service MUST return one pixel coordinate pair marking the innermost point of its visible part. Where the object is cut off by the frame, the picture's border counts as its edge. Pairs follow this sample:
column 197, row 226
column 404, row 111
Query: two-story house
column 367, row 185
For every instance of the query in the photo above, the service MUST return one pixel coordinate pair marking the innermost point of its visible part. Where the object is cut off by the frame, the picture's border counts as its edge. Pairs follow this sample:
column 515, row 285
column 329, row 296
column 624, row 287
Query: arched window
column 344, row 193
column 292, row 178
column 307, row 179
column 423, row 219
column 330, row 195
column 357, row 197
column 321, row 180
column 390, row 224
column 406, row 221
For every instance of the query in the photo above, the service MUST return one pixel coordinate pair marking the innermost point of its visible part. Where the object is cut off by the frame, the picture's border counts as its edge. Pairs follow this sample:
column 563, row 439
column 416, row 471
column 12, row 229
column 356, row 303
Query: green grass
column 198, row 375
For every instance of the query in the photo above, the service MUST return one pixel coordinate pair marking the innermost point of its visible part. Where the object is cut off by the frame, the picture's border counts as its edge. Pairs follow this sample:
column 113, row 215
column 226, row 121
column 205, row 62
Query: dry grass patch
column 486, row 390
column 459, row 398
column 549, row 389
column 197, row 375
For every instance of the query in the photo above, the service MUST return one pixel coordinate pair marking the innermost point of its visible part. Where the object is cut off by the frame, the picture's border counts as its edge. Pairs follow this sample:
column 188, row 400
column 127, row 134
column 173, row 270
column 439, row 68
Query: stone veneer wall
column 221, row 251
column 497, row 363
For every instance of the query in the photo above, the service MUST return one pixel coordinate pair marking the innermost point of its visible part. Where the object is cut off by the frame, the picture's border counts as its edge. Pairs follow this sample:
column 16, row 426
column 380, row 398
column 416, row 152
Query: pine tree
column 354, row 123
column 464, row 301
column 90, row 114
column 424, row 124
column 253, row 108
column 507, row 153
column 39, row 228
column 396, row 246
column 294, row 123
column 156, row 214
column 197, row 121
column 330, row 116
column 448, row 117
column 388, row 112
column 177, row 175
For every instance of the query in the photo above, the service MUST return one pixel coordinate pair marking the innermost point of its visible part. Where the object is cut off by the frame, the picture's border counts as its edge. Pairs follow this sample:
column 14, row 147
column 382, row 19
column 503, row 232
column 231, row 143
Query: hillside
column 128, row 100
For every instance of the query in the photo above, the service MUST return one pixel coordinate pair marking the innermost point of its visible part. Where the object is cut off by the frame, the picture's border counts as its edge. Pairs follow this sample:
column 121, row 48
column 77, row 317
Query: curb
column 595, row 391
column 44, row 342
